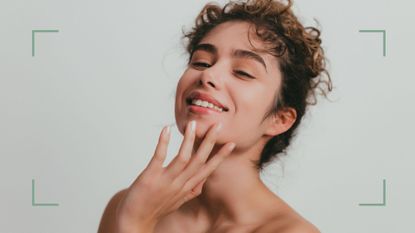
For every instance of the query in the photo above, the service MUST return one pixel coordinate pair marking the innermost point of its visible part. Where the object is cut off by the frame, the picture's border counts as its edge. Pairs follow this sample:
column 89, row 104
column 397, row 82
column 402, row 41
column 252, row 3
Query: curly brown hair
column 297, row 48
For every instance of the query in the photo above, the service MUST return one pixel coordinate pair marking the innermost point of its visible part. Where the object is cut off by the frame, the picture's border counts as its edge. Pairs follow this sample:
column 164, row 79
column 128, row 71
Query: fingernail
column 167, row 129
column 218, row 127
column 192, row 125
column 232, row 146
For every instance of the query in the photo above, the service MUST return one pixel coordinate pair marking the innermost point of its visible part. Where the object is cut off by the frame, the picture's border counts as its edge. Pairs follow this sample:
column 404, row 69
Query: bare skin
column 229, row 196
column 270, row 214
column 282, row 219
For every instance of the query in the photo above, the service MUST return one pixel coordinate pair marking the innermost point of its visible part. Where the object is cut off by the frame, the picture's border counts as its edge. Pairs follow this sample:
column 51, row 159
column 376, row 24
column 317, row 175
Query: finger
column 209, row 141
column 196, row 191
column 203, row 152
column 161, row 149
column 185, row 151
column 210, row 166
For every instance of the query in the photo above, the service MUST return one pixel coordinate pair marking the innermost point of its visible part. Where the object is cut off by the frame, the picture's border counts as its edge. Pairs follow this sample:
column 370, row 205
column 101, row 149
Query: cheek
column 253, row 102
column 250, row 108
column 184, row 83
column 179, row 91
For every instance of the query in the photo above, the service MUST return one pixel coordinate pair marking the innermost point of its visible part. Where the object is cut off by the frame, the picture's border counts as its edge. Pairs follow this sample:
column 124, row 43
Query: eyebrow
column 237, row 53
column 205, row 47
column 251, row 55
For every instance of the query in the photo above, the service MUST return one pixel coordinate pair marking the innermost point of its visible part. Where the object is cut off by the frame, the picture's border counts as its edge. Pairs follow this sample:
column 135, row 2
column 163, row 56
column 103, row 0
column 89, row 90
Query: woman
column 252, row 68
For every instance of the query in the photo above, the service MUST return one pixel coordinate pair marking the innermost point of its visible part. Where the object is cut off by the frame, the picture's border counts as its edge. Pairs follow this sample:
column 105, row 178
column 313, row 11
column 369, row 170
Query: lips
column 205, row 97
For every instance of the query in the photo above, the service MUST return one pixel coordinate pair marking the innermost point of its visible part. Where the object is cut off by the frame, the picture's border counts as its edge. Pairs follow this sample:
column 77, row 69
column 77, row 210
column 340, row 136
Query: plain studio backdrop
column 79, row 118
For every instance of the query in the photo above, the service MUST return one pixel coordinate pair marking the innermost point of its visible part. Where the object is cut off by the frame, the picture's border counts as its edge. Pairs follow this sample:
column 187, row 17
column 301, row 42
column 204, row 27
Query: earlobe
column 281, row 121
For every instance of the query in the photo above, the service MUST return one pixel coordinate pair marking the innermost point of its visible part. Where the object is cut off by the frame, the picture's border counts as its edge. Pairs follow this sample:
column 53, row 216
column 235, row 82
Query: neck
column 233, row 191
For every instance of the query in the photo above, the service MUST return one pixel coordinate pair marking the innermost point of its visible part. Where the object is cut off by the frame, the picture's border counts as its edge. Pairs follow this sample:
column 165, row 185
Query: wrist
column 129, row 222
column 127, row 225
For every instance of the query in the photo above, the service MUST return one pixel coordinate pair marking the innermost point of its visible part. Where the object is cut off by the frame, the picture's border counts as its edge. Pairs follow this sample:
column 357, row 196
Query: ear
column 280, row 122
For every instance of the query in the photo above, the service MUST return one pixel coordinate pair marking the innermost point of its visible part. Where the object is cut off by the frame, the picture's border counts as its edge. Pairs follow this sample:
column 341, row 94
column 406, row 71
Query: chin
column 202, row 129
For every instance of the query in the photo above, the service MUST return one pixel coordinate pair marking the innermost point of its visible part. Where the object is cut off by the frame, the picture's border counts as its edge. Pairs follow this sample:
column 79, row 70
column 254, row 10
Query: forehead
column 234, row 34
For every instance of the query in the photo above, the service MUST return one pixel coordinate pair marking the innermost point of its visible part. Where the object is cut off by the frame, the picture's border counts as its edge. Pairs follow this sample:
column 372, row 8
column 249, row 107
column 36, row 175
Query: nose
column 206, row 80
column 210, row 79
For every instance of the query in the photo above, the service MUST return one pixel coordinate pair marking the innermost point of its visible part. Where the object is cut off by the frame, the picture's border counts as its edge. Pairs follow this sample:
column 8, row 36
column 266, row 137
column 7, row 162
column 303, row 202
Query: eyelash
column 202, row 64
column 244, row 74
column 206, row 65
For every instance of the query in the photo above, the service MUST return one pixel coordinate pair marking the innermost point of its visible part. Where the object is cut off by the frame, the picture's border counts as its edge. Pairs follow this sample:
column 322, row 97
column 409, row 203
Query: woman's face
column 225, row 68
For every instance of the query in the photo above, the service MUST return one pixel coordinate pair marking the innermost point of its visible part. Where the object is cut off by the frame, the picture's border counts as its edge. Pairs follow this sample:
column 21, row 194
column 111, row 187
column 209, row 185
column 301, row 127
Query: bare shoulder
column 295, row 225
column 286, row 220
column 107, row 223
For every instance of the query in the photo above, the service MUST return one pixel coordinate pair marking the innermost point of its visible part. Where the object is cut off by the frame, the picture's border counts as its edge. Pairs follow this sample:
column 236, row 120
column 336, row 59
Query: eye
column 201, row 64
column 243, row 73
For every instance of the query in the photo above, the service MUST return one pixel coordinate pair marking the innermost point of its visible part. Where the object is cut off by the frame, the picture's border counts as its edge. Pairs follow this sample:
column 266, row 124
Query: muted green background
column 82, row 116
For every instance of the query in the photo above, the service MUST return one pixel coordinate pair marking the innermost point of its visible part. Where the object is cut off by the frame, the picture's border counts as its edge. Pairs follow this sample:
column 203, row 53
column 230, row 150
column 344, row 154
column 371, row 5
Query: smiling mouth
column 205, row 104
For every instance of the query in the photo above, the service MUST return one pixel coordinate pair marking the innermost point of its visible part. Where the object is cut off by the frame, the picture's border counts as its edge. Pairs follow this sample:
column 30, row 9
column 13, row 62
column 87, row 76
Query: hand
column 158, row 191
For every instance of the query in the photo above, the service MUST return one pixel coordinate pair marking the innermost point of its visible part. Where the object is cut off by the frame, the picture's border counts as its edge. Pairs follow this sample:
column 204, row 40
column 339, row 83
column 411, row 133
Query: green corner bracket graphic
column 383, row 201
column 33, row 38
column 384, row 38
column 33, row 198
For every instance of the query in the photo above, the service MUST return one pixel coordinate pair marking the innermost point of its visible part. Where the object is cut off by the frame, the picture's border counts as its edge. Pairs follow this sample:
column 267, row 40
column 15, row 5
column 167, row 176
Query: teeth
column 206, row 104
